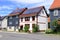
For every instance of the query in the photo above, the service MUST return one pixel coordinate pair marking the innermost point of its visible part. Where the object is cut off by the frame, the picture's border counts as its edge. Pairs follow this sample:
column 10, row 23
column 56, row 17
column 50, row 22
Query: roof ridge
column 37, row 7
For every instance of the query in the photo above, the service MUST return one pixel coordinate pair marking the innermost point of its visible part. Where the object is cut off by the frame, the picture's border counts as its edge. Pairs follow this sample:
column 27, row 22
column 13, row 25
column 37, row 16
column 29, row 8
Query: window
column 33, row 18
column 27, row 18
column 55, row 12
column 27, row 25
column 10, row 22
column 16, row 22
column 16, row 16
column 33, row 25
column 10, row 17
column 42, row 12
column 21, row 19
column 9, row 27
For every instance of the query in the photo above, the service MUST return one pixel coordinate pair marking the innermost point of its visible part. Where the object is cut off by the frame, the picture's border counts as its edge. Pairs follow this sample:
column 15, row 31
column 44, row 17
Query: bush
column 26, row 28
column 4, row 29
column 56, row 26
column 35, row 28
column 49, row 31
column 19, row 30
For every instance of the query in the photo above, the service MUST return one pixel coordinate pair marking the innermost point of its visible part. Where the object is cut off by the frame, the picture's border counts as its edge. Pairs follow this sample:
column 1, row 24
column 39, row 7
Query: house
column 54, row 11
column 0, row 22
column 37, row 15
column 13, row 19
column 4, row 22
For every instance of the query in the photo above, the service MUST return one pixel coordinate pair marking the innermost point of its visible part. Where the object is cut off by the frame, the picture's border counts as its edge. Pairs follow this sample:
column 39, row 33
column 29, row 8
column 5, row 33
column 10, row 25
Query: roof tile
column 56, row 4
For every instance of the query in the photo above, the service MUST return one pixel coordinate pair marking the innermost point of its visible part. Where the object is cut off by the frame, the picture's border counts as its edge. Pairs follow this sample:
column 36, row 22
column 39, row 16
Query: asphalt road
column 20, row 36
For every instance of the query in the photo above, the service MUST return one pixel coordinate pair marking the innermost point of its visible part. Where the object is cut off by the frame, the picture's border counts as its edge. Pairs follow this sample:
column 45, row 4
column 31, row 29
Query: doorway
column 21, row 27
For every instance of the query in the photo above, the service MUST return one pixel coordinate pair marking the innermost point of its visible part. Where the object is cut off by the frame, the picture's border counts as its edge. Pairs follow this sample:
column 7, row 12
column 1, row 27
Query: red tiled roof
column 56, row 4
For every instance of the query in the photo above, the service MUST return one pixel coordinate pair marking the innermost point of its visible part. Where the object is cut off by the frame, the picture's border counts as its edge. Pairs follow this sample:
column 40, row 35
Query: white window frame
column 55, row 13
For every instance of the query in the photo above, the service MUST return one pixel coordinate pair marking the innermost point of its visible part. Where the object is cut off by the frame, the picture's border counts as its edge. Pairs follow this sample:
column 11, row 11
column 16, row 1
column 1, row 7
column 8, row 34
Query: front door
column 21, row 27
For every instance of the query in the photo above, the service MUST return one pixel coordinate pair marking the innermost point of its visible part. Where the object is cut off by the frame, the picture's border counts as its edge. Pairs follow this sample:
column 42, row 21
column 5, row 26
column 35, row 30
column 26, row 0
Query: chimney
column 17, row 8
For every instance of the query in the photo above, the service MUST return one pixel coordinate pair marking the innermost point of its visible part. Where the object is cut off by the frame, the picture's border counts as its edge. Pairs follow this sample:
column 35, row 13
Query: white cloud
column 46, row 4
column 4, row 13
column 28, row 1
column 37, row 2
column 5, row 7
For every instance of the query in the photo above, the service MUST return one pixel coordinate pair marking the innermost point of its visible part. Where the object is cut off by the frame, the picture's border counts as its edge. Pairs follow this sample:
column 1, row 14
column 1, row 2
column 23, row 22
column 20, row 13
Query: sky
column 7, row 6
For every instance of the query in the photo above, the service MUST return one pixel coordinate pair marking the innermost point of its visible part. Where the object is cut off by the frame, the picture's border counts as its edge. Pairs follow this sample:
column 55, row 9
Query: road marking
column 0, row 36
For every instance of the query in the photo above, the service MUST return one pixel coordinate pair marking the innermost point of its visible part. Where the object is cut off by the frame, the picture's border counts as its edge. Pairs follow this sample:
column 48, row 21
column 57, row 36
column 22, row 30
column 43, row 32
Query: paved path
column 19, row 36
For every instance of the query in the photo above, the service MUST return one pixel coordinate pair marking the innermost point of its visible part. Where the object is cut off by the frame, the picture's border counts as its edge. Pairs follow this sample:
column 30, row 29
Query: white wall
column 4, row 23
column 42, row 21
column 12, row 28
column 0, row 23
column 28, row 22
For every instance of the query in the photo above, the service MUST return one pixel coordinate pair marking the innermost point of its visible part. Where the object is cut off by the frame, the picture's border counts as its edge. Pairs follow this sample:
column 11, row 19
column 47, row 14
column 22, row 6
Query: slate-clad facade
column 13, row 19
column 54, row 11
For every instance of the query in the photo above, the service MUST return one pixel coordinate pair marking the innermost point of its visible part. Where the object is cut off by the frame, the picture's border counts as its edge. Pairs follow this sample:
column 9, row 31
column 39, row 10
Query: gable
column 43, row 13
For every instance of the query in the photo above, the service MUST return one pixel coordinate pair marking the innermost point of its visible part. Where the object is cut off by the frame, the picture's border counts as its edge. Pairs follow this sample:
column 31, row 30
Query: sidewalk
column 15, row 32
column 0, row 30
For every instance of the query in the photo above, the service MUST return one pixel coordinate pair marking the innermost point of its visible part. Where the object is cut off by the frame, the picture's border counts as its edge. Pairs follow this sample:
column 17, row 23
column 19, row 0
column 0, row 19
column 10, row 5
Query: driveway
column 20, row 36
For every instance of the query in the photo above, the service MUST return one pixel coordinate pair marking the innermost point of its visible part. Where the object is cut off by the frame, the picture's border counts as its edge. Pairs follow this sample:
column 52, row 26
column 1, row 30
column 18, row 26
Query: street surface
column 25, row 36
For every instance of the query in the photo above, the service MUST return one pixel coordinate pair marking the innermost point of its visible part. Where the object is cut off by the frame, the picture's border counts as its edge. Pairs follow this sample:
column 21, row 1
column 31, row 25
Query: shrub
column 35, row 28
column 26, row 28
column 49, row 31
column 54, row 23
column 4, row 29
column 56, row 26
column 19, row 30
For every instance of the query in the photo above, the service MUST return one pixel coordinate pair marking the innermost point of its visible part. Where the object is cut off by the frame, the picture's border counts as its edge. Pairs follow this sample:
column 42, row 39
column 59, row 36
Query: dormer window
column 55, row 12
